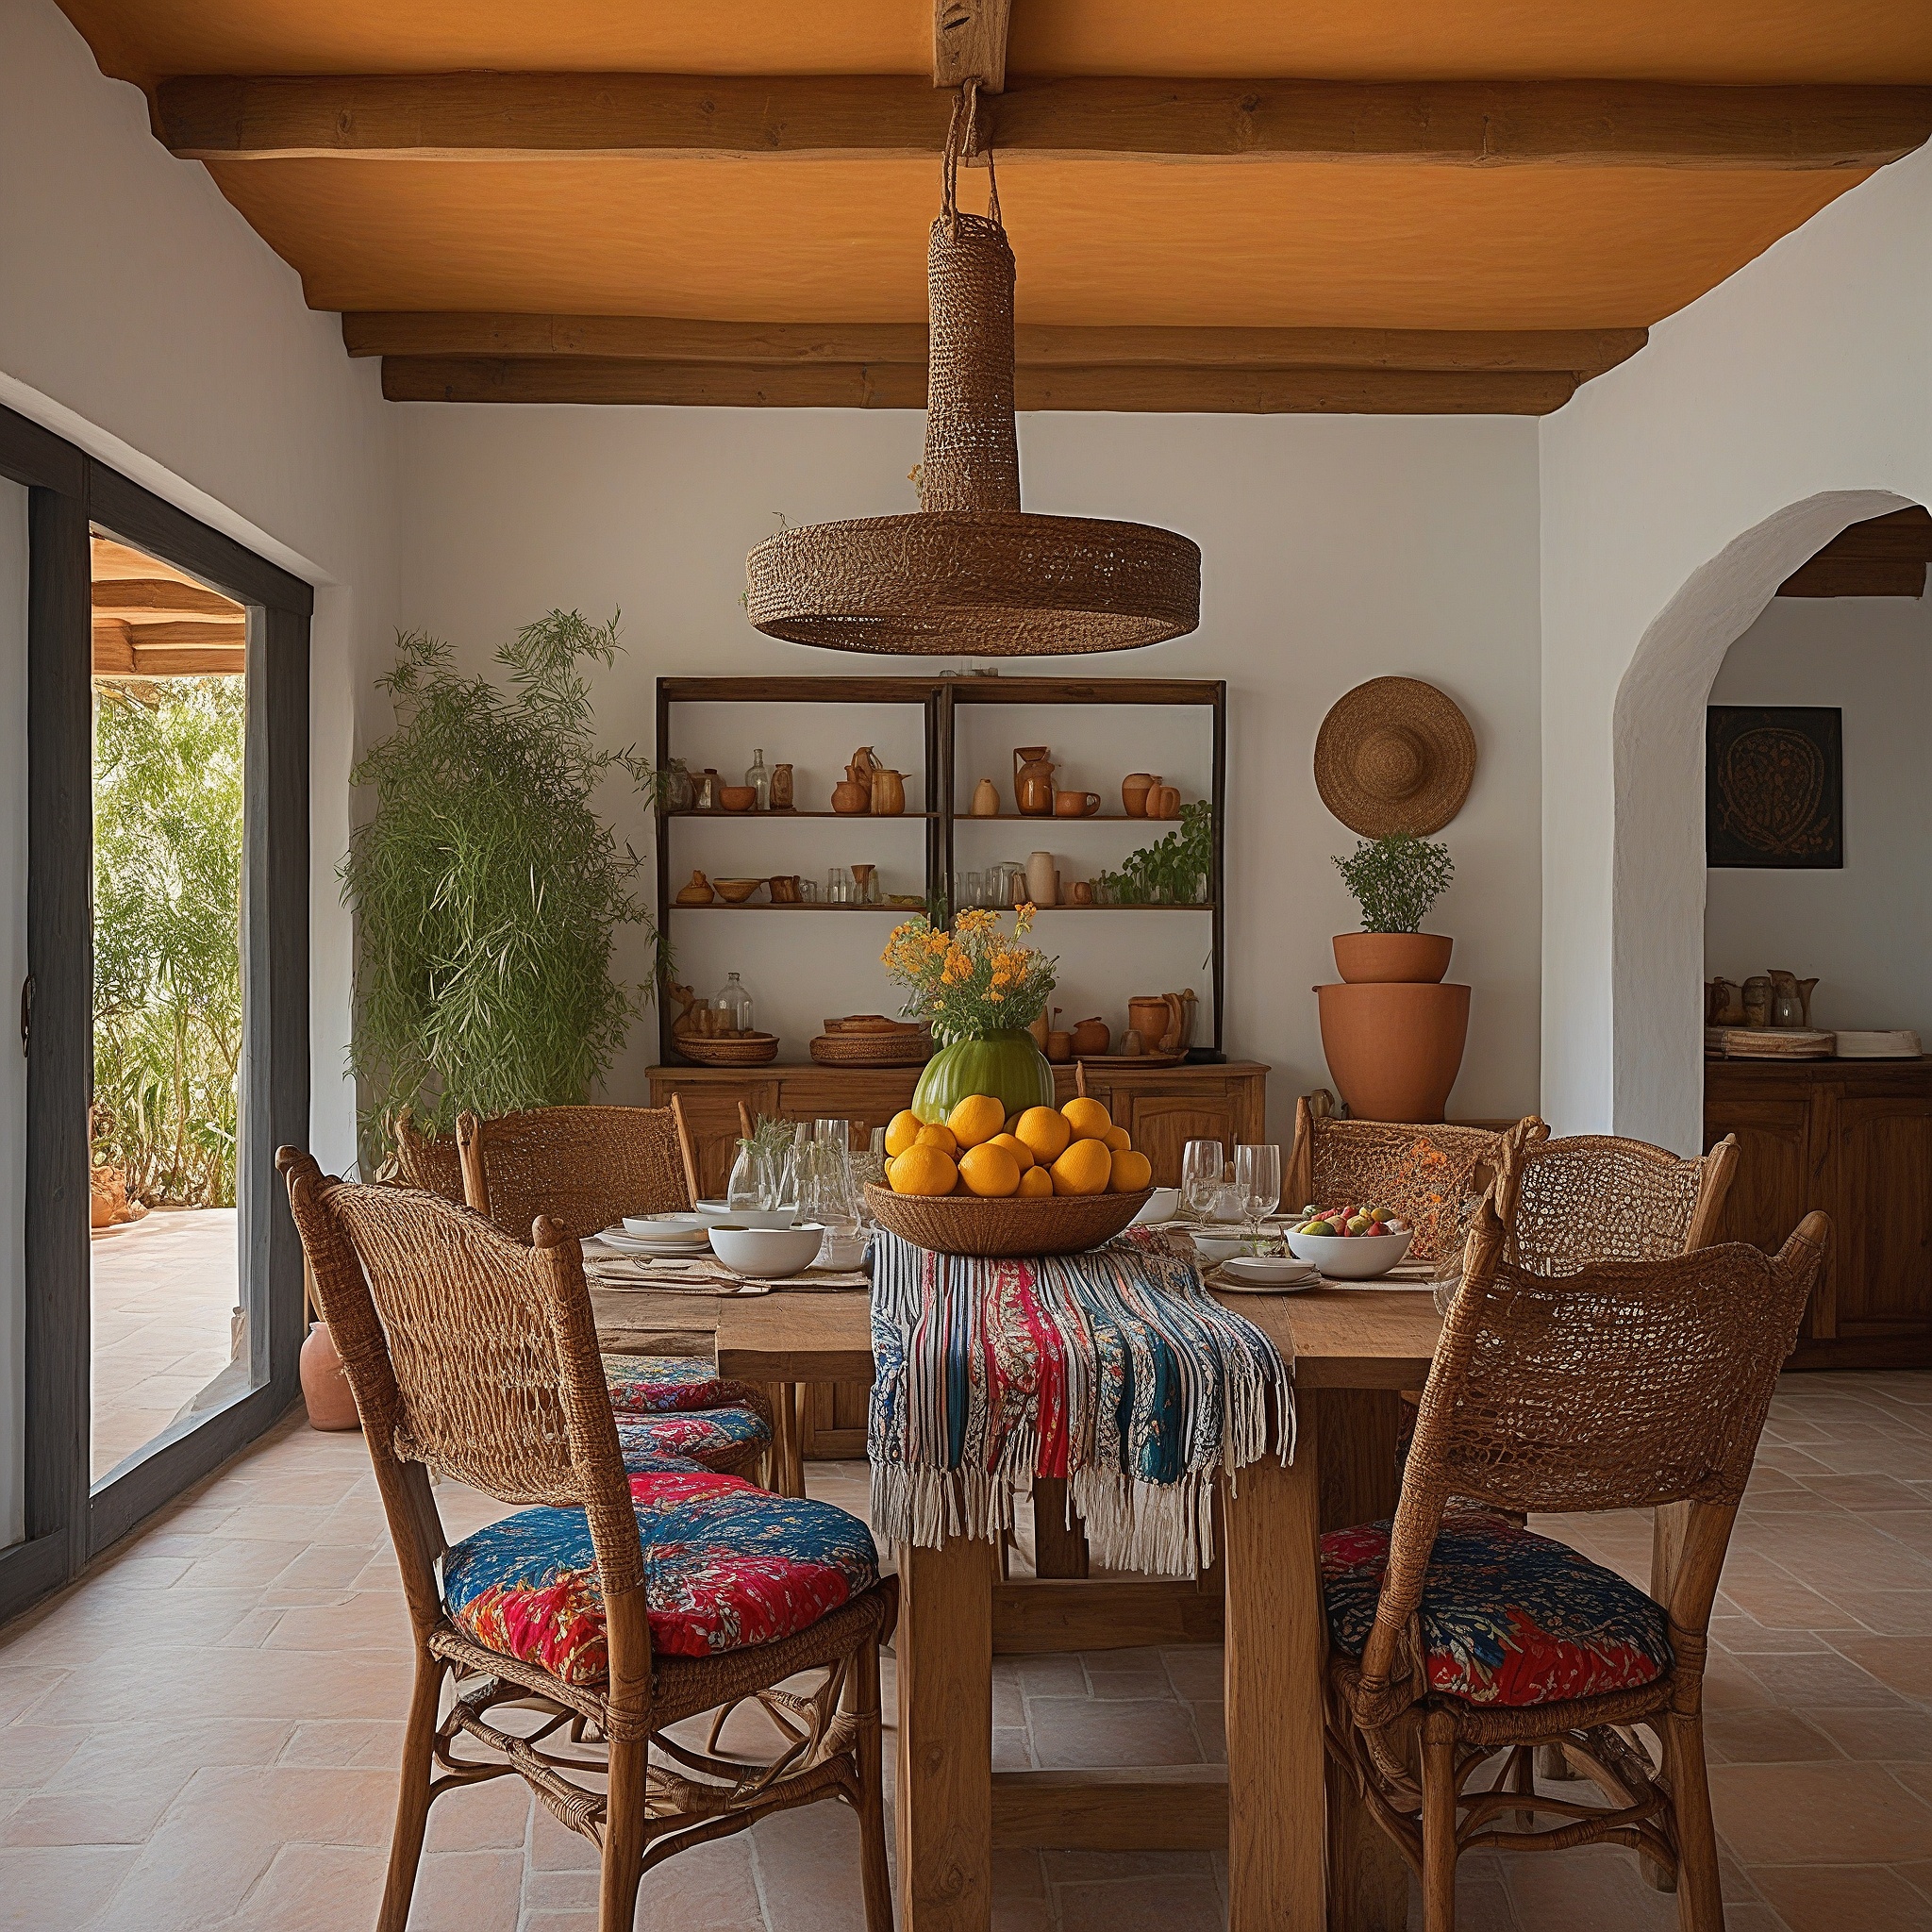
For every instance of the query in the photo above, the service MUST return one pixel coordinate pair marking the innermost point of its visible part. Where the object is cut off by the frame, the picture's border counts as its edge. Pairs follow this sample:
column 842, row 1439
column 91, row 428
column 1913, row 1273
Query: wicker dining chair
column 1431, row 1175
column 610, row 1608
column 585, row 1167
column 431, row 1161
column 1459, row 1637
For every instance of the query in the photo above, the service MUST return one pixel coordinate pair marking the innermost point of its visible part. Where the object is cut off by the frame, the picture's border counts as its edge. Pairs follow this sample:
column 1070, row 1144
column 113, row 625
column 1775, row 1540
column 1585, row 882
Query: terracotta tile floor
column 163, row 1300
column 203, row 1733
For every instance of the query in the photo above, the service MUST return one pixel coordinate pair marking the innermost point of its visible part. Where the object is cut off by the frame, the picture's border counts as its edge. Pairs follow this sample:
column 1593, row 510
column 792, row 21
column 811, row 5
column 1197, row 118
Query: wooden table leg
column 1276, row 1646
column 1060, row 1549
column 786, row 1457
column 944, row 1646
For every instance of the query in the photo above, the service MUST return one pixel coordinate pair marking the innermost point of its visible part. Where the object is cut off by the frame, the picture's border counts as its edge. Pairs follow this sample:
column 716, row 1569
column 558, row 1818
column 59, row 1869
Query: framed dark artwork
column 1775, row 787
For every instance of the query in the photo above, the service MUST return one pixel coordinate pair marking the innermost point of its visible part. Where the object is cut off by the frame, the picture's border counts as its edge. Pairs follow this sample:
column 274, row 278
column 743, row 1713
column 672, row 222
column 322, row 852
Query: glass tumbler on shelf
column 1202, row 1162
column 759, row 779
column 839, row 886
column 972, row 889
column 1258, row 1181
column 734, row 1005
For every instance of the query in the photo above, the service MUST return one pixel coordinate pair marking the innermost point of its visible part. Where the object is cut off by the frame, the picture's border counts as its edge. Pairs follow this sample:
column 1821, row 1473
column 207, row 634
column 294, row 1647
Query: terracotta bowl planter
column 325, row 1387
column 1381, row 959
column 1395, row 1048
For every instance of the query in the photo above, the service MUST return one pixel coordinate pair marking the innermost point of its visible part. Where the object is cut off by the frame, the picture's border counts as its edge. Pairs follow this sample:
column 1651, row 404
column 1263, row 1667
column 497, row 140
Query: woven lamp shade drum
column 1395, row 756
column 971, row 574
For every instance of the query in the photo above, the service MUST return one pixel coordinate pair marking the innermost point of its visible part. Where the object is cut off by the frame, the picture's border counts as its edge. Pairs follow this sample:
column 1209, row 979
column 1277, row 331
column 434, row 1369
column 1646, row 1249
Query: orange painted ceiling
column 1387, row 246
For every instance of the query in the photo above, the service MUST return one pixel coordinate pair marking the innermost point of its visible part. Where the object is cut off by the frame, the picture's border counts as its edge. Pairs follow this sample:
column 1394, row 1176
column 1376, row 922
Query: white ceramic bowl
column 1162, row 1205
column 1216, row 1248
column 1349, row 1257
column 766, row 1253
column 671, row 1227
column 712, row 1212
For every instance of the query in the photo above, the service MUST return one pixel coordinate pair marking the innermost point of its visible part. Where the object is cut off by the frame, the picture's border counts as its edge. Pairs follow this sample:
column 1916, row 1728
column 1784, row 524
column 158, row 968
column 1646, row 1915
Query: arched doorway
column 1657, row 866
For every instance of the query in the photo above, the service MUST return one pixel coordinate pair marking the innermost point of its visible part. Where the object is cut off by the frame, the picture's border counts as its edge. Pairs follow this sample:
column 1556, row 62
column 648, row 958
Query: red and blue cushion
column 1508, row 1617
column 711, row 1438
column 726, row 1565
column 663, row 1384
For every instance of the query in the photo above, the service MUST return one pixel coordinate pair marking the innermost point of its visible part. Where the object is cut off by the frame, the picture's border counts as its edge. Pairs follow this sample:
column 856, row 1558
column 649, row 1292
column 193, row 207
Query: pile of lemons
column 1075, row 1149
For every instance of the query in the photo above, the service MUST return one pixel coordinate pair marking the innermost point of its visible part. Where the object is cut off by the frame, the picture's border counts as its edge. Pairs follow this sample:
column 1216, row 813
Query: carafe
column 759, row 778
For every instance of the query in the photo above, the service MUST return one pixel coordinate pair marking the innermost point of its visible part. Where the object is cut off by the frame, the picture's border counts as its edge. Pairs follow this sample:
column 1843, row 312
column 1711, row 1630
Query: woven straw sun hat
column 1395, row 755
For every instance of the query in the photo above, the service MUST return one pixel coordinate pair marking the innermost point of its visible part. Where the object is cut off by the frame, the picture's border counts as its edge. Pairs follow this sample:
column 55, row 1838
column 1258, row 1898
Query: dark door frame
column 69, row 492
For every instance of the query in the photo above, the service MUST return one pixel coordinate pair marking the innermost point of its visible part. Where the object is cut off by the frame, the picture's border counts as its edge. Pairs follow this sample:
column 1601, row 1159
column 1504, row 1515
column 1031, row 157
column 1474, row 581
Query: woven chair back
column 470, row 1353
column 585, row 1167
column 1599, row 1197
column 1431, row 1175
column 431, row 1162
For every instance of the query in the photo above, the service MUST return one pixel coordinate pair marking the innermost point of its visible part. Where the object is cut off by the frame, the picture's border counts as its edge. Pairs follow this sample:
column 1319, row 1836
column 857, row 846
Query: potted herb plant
column 978, row 989
column 1393, row 1032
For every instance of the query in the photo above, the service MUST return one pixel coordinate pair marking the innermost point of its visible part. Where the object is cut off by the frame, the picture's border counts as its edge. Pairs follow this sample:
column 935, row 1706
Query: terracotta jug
column 1158, row 1019
column 325, row 1386
column 1033, row 780
column 888, row 792
column 985, row 799
column 853, row 793
column 1090, row 1038
column 697, row 894
column 1134, row 789
column 781, row 788
column 1394, row 1046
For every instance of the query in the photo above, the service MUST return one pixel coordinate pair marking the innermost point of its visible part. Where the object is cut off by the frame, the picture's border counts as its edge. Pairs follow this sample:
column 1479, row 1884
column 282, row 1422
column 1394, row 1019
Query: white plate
column 1282, row 1270
column 651, row 1228
column 625, row 1244
column 1233, row 1284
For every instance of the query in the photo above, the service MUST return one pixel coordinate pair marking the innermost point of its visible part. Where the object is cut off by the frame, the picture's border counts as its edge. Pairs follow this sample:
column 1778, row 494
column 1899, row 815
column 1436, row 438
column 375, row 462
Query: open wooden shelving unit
column 939, row 699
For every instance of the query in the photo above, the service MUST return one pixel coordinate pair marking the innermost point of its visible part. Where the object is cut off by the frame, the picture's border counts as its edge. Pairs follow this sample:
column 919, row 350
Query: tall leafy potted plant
column 1392, row 1033
column 978, row 989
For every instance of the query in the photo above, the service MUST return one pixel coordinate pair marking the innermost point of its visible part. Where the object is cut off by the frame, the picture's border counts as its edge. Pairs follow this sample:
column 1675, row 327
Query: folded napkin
column 1113, row 1368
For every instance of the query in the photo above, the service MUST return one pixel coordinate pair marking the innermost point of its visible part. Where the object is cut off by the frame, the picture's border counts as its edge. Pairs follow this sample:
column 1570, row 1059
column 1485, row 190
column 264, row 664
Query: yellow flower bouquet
column 974, row 981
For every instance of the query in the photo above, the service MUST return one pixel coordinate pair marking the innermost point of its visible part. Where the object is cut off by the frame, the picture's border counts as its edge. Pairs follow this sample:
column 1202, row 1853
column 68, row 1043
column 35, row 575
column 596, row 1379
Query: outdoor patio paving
column 204, row 1733
column 163, row 1301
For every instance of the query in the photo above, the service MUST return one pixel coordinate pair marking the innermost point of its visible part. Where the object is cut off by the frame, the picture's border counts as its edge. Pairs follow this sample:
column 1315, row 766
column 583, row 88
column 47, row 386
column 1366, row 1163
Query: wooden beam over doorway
column 669, row 116
column 969, row 42
column 1882, row 557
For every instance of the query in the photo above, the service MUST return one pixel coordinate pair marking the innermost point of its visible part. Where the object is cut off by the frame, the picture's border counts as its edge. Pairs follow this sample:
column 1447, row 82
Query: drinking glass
column 1258, row 1182
column 839, row 886
column 973, row 889
column 1201, row 1169
column 753, row 1186
column 830, row 1196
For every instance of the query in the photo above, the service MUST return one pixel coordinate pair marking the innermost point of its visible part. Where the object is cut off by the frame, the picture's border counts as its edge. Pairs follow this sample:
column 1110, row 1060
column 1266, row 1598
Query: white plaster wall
column 143, row 318
column 1335, row 549
column 1865, row 931
column 12, row 973
column 1676, row 493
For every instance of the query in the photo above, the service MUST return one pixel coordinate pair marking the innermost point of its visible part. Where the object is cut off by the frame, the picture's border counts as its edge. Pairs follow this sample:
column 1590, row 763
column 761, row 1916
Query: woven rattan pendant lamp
column 971, row 574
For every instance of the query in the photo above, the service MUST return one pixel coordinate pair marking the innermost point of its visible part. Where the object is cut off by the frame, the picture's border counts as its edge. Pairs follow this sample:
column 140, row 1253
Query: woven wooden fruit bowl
column 966, row 1224
column 730, row 1050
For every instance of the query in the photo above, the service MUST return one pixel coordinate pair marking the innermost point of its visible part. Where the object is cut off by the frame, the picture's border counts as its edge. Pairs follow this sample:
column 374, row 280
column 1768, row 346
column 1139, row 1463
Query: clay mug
column 1134, row 789
column 888, row 792
column 1090, row 1038
column 1033, row 780
column 986, row 800
column 1082, row 891
column 1158, row 1019
column 1164, row 802
column 851, row 794
column 783, row 889
column 1128, row 1045
column 1076, row 805
column 1059, row 1047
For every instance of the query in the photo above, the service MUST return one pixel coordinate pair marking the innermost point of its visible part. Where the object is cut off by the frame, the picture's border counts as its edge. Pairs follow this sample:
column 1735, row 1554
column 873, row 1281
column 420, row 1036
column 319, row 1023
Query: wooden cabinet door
column 1163, row 1120
column 1774, row 1186
column 1882, row 1217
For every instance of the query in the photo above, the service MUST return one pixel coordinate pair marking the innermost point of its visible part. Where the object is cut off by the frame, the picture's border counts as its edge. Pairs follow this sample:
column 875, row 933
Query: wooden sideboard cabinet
column 1853, row 1138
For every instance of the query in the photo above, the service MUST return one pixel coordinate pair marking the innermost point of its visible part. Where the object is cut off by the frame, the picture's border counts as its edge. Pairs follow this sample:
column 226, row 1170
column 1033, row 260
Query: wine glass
column 1257, row 1183
column 1201, row 1169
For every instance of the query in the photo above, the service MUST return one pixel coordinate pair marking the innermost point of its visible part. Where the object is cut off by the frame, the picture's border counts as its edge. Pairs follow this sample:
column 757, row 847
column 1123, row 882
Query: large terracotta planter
column 325, row 1387
column 1393, row 1048
column 1382, row 958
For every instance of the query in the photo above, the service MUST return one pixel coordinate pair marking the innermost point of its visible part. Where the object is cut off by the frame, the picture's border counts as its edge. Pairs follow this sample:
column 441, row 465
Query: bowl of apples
column 1350, row 1243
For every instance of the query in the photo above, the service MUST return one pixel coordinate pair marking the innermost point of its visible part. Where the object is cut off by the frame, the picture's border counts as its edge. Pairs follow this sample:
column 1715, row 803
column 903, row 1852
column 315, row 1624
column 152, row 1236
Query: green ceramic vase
column 1007, row 1064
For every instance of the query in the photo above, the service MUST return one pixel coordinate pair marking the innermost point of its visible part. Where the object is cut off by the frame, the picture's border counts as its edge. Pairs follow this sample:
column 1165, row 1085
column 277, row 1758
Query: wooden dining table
column 1302, row 1854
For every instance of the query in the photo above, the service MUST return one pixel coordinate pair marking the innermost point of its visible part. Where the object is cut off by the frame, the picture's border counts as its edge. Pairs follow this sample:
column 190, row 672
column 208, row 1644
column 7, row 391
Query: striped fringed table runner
column 1114, row 1369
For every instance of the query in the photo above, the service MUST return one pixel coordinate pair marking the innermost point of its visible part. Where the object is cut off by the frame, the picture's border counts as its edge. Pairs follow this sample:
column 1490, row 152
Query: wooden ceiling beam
column 672, row 338
column 1882, row 557
column 134, row 597
column 189, row 635
column 1469, row 123
column 969, row 42
column 902, row 386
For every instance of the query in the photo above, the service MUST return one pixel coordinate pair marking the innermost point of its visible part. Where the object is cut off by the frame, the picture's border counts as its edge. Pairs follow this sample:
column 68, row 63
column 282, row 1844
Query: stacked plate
column 660, row 1236
column 1267, row 1273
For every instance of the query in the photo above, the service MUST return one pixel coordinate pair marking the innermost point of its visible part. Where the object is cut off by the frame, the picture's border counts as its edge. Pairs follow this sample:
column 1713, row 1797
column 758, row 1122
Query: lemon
column 936, row 1136
column 989, row 1170
column 1035, row 1182
column 924, row 1169
column 1016, row 1147
column 1085, row 1118
column 903, row 1131
column 1085, row 1168
column 976, row 1117
column 1045, row 1131
column 1131, row 1172
column 1118, row 1139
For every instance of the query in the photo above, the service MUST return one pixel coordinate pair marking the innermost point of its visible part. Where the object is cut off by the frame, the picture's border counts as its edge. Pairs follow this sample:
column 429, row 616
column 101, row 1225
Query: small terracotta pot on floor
column 325, row 1387
column 1392, row 1034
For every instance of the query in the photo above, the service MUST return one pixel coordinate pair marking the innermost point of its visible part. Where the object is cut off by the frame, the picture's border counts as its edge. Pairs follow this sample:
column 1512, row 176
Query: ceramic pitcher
column 1033, row 780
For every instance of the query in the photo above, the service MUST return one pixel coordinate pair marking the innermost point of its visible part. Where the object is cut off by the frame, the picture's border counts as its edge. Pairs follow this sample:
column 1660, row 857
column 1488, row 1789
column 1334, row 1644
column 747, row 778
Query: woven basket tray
column 964, row 1224
column 909, row 1049
column 753, row 1050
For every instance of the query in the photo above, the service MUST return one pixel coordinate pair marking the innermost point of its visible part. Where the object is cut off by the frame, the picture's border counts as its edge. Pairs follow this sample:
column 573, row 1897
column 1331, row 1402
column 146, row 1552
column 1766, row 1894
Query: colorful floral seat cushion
column 664, row 1384
column 711, row 1438
column 1508, row 1617
column 726, row 1565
